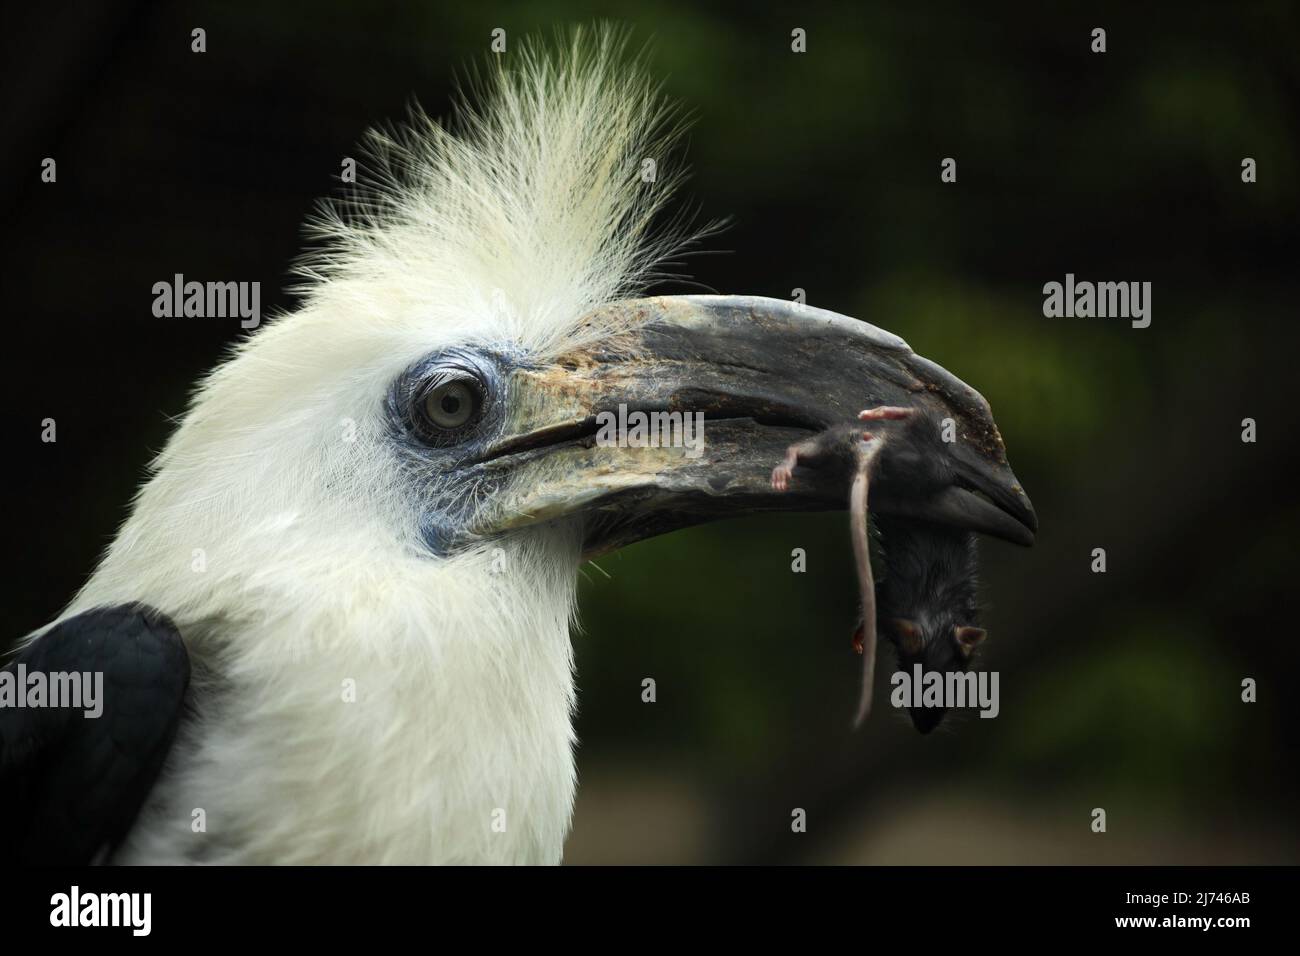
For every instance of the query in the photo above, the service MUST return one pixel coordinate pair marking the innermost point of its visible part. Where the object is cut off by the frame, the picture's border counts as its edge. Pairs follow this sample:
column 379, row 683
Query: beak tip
column 1028, row 517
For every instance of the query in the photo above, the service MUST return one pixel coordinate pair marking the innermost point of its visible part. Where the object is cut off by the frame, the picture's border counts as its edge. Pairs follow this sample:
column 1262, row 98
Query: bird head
column 469, row 318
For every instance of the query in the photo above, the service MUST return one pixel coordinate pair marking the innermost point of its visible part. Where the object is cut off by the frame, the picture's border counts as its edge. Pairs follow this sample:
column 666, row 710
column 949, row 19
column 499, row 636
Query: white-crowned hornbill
column 335, row 625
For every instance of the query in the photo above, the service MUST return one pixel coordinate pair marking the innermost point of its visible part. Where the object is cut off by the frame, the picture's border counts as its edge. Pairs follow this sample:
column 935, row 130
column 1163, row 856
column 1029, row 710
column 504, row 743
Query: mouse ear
column 906, row 635
column 968, row 638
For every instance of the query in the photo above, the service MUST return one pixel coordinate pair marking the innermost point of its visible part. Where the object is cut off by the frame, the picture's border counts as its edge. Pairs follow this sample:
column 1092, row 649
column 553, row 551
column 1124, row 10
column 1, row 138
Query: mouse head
column 937, row 644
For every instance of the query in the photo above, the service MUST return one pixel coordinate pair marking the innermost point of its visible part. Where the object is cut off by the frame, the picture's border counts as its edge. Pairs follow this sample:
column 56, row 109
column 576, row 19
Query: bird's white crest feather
column 275, row 530
column 533, row 208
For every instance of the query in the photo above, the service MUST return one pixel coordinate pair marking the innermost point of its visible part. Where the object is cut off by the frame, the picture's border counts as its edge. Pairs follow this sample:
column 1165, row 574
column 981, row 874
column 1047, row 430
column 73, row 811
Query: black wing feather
column 71, row 786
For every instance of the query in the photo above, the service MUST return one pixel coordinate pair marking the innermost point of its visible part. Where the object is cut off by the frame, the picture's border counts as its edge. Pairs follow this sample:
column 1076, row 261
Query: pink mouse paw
column 781, row 477
column 886, row 413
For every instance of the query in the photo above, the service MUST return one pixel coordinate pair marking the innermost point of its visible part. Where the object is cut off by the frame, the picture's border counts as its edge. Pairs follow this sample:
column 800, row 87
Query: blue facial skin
column 441, row 466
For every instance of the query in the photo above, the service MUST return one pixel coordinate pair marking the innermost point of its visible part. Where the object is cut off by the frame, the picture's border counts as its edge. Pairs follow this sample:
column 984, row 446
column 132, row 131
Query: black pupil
column 450, row 404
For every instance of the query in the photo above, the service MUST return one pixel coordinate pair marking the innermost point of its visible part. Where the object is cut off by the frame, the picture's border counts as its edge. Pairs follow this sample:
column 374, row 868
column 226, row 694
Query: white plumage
column 277, row 533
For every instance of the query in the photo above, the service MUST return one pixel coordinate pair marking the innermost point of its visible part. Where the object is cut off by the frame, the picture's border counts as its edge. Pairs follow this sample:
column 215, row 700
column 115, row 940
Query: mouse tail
column 867, row 586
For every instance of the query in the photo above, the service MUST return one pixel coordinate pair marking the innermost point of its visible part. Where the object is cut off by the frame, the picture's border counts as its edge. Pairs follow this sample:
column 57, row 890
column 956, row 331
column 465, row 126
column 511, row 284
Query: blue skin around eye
column 457, row 489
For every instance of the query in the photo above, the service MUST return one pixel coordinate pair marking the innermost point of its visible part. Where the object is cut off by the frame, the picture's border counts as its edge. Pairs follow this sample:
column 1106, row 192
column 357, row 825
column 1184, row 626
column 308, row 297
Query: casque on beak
column 764, row 373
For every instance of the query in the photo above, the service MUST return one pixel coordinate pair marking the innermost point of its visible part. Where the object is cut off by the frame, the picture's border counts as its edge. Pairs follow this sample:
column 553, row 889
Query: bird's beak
column 746, row 377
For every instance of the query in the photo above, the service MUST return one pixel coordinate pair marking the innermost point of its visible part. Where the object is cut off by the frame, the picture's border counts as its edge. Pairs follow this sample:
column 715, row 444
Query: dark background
column 1119, row 690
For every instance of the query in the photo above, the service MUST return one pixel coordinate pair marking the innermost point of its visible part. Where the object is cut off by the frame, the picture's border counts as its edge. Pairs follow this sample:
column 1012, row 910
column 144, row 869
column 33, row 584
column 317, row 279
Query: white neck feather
column 409, row 711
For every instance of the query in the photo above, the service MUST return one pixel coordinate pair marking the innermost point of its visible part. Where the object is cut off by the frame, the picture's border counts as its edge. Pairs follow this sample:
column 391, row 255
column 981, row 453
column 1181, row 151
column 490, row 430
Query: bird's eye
column 447, row 408
column 450, row 405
